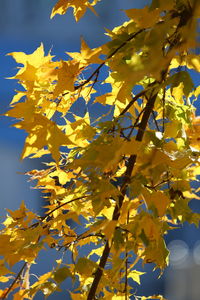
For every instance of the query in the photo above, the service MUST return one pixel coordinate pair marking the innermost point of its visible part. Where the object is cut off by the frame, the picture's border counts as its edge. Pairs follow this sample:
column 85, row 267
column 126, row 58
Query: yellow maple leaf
column 159, row 200
column 36, row 59
column 17, row 97
column 4, row 271
column 22, row 110
column 67, row 74
column 150, row 227
column 79, row 6
column 43, row 132
column 5, row 278
column 135, row 275
column 192, row 61
column 86, row 55
column 131, row 147
column 80, row 131
column 20, row 295
column 143, row 17
column 37, row 72
column 194, row 133
column 42, row 279
column 19, row 213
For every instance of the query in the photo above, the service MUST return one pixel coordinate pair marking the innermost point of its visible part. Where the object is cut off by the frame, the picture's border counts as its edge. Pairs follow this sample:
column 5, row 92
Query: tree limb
column 131, row 163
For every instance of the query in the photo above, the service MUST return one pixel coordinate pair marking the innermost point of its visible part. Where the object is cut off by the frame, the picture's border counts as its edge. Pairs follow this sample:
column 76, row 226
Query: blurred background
column 23, row 26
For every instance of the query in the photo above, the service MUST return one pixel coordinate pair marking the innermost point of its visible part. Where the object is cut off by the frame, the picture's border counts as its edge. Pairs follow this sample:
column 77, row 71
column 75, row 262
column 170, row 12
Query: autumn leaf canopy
column 124, row 176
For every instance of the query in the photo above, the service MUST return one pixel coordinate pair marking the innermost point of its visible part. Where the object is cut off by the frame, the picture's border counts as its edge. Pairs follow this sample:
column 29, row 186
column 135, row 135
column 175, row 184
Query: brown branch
column 158, row 184
column 163, row 112
column 57, row 207
column 126, row 264
column 135, row 124
column 135, row 98
column 156, row 123
column 96, row 71
column 61, row 205
column 14, row 281
column 131, row 163
column 79, row 238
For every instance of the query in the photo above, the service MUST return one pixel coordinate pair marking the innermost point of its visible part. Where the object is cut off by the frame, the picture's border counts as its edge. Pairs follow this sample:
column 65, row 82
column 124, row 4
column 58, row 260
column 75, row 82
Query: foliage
column 124, row 177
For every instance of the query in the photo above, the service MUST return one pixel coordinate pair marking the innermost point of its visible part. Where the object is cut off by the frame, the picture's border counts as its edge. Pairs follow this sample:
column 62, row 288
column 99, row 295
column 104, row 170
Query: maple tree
column 125, row 176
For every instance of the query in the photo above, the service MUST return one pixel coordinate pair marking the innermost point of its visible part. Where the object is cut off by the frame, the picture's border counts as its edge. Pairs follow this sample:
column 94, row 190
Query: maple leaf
column 43, row 132
column 135, row 275
column 123, row 176
column 86, row 55
column 143, row 17
column 36, row 59
column 67, row 75
column 79, row 6
column 193, row 132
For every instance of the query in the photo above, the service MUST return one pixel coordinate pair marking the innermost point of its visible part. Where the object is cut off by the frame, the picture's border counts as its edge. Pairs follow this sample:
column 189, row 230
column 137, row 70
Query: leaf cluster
column 125, row 180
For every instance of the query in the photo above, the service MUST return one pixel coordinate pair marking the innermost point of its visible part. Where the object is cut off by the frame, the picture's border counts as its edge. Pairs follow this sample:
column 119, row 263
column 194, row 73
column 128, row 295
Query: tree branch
column 14, row 281
column 96, row 71
column 126, row 181
column 135, row 98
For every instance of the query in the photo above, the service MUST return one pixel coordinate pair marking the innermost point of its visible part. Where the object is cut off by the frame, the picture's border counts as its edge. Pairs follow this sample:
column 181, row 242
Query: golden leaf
column 79, row 7
column 143, row 16
column 86, row 56
column 67, row 75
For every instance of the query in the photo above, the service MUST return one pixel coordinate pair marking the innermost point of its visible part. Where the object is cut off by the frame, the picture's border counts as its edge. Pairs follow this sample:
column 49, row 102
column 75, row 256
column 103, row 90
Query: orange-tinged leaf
column 67, row 75
column 19, row 213
column 194, row 133
column 159, row 200
column 4, row 271
column 21, row 295
column 79, row 7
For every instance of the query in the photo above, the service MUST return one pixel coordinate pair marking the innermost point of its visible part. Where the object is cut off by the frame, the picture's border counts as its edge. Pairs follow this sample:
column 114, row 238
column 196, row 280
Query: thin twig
column 135, row 98
column 156, row 123
column 163, row 112
column 61, row 205
column 136, row 123
column 14, row 281
column 96, row 71
column 156, row 185
column 57, row 207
